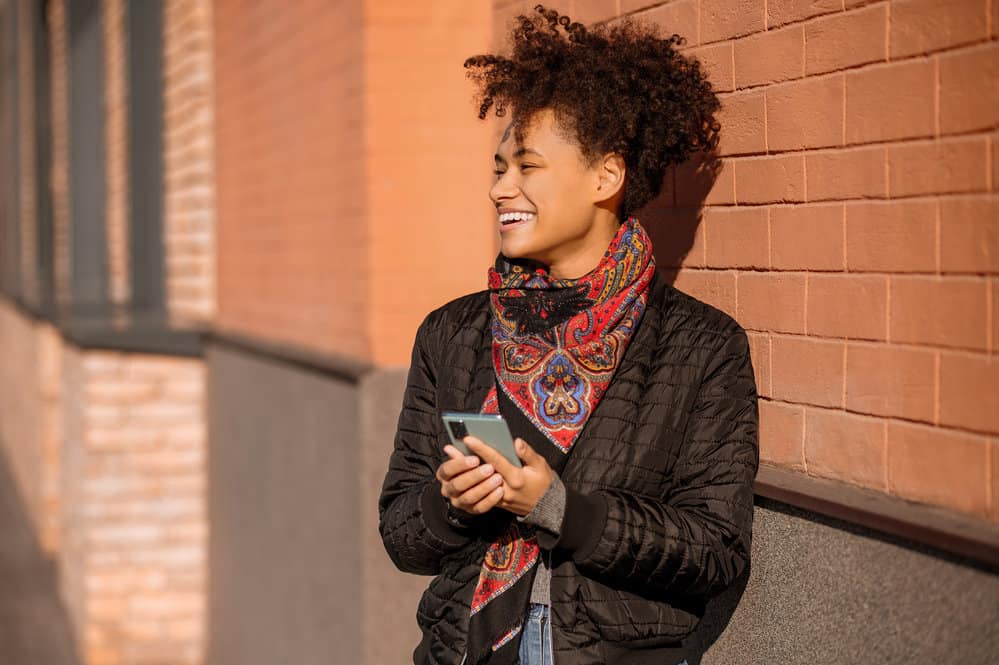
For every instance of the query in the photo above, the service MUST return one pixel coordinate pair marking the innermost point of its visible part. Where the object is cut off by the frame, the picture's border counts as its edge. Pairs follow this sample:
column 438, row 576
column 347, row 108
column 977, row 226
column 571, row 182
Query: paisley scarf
column 556, row 344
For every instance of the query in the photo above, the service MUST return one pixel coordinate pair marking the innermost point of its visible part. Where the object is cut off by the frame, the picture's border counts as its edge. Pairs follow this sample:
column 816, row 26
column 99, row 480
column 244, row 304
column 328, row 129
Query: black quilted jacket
column 659, row 504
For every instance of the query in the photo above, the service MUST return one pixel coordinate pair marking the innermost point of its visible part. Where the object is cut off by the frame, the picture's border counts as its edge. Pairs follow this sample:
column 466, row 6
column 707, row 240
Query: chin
column 515, row 250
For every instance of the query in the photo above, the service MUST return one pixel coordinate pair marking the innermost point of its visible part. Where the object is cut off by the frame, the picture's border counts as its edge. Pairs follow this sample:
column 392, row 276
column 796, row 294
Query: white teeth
column 515, row 216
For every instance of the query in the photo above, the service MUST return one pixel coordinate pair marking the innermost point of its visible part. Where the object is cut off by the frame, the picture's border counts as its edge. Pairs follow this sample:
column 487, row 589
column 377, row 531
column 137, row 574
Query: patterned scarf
column 556, row 345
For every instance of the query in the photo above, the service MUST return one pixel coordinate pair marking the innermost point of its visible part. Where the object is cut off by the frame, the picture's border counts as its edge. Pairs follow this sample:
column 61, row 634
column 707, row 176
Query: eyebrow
column 520, row 152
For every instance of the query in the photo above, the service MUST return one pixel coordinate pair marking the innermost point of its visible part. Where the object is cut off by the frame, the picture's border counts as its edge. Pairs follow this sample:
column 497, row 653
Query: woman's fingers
column 489, row 502
column 456, row 466
column 461, row 483
column 480, row 497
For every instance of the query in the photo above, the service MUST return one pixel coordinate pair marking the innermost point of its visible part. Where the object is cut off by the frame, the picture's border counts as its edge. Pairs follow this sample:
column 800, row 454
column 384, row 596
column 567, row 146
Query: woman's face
column 552, row 207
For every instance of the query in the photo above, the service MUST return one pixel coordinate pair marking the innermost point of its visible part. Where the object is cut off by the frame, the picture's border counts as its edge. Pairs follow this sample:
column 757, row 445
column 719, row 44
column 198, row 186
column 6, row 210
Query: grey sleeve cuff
column 549, row 512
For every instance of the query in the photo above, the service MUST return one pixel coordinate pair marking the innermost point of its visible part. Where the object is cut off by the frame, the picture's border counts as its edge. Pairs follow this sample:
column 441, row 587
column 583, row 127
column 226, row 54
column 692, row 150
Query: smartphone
column 491, row 429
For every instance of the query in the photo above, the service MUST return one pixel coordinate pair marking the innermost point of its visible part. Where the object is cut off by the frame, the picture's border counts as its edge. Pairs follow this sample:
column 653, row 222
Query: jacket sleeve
column 413, row 518
column 697, row 540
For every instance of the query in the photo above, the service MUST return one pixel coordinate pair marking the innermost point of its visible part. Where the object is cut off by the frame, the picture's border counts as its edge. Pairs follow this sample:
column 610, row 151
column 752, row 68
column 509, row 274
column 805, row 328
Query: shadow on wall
column 717, row 615
column 34, row 625
column 672, row 218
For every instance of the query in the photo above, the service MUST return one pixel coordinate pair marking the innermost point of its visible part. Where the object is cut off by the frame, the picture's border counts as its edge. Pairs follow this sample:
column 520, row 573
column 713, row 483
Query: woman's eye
column 498, row 173
column 527, row 166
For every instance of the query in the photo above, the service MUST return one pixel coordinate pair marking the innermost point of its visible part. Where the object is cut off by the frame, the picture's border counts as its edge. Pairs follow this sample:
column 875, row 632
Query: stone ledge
column 929, row 525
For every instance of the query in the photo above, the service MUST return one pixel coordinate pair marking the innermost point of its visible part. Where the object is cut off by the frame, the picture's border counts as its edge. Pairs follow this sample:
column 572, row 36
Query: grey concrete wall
column 284, row 514
column 298, row 573
column 822, row 591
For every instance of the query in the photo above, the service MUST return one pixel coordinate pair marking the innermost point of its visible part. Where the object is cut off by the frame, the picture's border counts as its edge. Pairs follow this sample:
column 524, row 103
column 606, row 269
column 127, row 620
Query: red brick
column 769, row 179
column 504, row 14
column 969, row 397
column 771, row 56
column 925, row 26
column 994, row 141
column 700, row 182
column 715, row 287
column 736, row 237
column 675, row 17
column 893, row 101
column 805, row 114
column 846, row 174
column 948, row 311
column 628, row 6
column 771, row 301
column 845, row 446
column 897, row 236
column 743, row 124
column 759, row 351
column 994, row 458
column 780, row 12
column 938, row 167
column 781, row 428
column 677, row 235
column 864, row 31
column 890, row 381
column 969, row 89
column 994, row 313
column 844, row 305
column 969, row 234
column 723, row 19
column 806, row 237
column 717, row 62
column 593, row 11
column 807, row 371
column 939, row 467
column 722, row 191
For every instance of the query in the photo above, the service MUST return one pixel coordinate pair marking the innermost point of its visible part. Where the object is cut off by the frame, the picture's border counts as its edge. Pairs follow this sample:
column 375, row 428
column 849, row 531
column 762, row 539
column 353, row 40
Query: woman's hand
column 522, row 488
column 469, row 485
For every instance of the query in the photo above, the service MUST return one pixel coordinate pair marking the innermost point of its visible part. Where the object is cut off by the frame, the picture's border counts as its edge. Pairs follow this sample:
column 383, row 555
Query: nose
column 504, row 188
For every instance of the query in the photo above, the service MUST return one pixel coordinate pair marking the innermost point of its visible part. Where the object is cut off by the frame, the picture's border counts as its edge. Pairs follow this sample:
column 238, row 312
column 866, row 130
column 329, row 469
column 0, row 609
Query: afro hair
column 620, row 89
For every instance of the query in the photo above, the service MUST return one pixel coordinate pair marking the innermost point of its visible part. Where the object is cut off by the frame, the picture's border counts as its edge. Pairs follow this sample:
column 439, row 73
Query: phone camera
column 458, row 429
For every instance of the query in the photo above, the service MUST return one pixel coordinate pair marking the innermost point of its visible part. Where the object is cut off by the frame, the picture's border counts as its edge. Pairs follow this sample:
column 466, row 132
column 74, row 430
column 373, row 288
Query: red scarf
column 556, row 345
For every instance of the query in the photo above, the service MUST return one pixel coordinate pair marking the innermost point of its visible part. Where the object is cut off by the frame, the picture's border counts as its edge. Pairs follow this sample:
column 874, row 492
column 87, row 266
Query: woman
column 633, row 404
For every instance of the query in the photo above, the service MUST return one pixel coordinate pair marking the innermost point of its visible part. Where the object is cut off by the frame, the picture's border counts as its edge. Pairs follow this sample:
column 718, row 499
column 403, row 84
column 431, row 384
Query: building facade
column 212, row 219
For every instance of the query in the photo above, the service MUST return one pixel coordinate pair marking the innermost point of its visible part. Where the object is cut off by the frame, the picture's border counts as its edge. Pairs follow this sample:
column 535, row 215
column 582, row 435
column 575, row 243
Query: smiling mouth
column 512, row 218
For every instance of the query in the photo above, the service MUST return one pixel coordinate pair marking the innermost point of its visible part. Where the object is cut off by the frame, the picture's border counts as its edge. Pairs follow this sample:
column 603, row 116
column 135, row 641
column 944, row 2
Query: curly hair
column 622, row 89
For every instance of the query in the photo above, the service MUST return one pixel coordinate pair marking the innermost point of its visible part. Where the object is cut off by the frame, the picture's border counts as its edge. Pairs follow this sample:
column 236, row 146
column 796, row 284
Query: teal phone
column 491, row 429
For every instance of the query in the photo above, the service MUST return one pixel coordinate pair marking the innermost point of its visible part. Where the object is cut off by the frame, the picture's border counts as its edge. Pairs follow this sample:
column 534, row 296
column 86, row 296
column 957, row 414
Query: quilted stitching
column 672, row 449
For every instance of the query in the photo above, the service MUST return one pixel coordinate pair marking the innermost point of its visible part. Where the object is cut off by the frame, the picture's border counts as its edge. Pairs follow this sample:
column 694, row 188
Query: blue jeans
column 536, row 637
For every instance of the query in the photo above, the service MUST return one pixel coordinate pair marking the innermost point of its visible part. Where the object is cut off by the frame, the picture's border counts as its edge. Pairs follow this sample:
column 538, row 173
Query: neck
column 585, row 255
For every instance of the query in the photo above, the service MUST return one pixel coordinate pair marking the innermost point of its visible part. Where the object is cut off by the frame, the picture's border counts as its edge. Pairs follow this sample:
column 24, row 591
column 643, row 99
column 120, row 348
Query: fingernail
column 487, row 469
column 472, row 460
column 496, row 480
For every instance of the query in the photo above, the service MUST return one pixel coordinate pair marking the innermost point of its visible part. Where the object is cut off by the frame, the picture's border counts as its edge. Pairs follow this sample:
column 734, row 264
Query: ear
column 610, row 176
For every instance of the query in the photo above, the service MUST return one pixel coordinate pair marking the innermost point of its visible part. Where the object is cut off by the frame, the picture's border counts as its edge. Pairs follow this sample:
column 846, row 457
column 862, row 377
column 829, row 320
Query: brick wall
column 134, row 558
column 116, row 138
column 189, row 176
column 108, row 453
column 853, row 230
column 291, row 195
column 428, row 166
column 30, row 393
column 343, row 174
column 58, row 65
